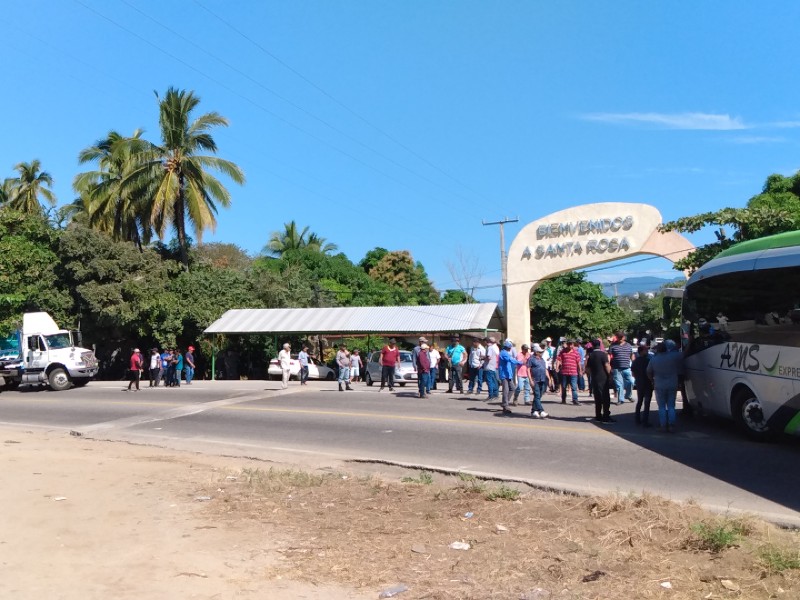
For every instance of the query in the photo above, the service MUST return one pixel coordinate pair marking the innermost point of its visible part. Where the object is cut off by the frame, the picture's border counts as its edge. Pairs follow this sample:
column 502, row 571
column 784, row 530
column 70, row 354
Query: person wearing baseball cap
column 456, row 355
column 188, row 365
column 523, row 377
column 540, row 379
column 135, row 371
column 506, row 368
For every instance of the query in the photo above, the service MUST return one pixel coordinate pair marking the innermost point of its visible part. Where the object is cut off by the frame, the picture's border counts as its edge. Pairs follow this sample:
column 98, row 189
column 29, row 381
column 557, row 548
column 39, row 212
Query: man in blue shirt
column 302, row 357
column 456, row 355
column 166, row 364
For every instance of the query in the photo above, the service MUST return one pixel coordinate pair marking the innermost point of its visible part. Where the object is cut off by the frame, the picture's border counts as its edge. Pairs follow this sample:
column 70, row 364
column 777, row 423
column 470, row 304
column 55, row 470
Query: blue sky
column 404, row 124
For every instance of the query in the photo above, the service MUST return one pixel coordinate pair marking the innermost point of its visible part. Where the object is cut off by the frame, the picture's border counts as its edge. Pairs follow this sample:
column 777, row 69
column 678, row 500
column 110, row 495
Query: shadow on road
column 716, row 447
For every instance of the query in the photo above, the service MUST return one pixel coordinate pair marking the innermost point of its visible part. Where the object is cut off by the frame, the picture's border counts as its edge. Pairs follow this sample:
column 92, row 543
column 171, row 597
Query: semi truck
column 40, row 353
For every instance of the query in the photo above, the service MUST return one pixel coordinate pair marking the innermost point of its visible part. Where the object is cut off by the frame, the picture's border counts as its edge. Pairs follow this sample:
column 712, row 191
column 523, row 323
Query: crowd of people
column 568, row 367
column 168, row 366
column 608, row 372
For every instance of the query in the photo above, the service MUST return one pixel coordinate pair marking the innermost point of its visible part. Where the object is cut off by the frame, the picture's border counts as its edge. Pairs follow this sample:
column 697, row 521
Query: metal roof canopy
column 444, row 318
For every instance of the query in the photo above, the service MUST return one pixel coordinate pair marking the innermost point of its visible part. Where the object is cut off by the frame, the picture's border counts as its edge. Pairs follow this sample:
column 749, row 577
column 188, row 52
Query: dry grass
column 372, row 534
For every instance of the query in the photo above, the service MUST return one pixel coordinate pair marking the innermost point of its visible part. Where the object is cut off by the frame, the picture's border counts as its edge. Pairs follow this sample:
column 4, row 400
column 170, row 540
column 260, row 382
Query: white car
column 316, row 369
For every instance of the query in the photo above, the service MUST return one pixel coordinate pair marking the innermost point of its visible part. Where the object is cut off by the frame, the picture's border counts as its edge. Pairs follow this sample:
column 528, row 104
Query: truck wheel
column 59, row 380
column 368, row 379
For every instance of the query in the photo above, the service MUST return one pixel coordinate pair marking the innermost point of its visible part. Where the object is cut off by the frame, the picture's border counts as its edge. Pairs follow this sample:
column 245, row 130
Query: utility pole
column 503, row 255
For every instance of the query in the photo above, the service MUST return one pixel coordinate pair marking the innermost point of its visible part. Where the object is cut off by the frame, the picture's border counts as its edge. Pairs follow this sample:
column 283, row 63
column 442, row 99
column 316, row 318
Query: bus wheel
column 750, row 416
column 59, row 380
column 688, row 410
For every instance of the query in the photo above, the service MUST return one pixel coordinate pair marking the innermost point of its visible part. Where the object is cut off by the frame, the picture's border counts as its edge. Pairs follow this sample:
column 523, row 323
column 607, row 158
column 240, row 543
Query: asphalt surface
column 705, row 460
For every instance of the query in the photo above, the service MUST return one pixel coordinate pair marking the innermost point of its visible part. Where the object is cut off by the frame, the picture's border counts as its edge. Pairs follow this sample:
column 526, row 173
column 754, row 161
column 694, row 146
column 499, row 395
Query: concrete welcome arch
column 580, row 237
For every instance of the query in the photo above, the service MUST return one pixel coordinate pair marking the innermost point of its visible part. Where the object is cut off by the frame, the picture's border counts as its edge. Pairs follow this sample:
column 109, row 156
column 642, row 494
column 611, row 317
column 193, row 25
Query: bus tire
column 749, row 415
column 688, row 411
column 59, row 380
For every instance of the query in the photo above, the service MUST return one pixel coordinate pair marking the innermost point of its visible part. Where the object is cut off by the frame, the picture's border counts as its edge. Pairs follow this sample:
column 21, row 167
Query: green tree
column 29, row 279
column 398, row 270
column 25, row 191
column 775, row 210
column 291, row 238
column 570, row 305
column 124, row 293
column 457, row 297
column 372, row 258
column 183, row 188
column 112, row 201
column 222, row 255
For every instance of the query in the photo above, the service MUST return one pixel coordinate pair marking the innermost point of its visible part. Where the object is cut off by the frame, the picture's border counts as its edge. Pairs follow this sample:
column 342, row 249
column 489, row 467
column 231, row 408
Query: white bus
column 741, row 336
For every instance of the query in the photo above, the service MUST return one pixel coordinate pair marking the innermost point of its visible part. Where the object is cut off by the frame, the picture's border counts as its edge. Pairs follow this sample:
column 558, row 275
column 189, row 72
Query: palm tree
column 182, row 188
column 5, row 192
column 320, row 244
column 288, row 239
column 292, row 239
column 110, row 198
column 24, row 191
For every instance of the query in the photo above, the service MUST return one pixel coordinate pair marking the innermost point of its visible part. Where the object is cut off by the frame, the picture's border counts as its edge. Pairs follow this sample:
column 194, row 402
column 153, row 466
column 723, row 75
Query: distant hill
column 631, row 285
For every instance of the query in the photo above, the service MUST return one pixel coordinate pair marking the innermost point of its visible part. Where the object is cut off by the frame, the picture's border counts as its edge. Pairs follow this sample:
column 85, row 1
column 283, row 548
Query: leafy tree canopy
column 775, row 210
column 29, row 279
column 569, row 305
column 399, row 270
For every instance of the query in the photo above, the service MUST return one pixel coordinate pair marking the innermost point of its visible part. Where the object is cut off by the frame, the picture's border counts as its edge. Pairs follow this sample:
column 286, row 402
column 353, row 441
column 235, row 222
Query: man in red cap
column 188, row 365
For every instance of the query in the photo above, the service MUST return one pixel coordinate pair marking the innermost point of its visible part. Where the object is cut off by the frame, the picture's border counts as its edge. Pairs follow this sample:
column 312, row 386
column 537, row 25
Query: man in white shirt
column 435, row 357
column 490, row 368
column 284, row 358
column 477, row 354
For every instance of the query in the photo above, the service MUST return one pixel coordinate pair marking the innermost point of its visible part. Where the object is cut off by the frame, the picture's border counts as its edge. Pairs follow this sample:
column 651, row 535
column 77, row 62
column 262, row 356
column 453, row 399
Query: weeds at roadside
column 278, row 479
column 777, row 560
column 503, row 492
column 470, row 484
column 368, row 531
column 716, row 536
column 424, row 478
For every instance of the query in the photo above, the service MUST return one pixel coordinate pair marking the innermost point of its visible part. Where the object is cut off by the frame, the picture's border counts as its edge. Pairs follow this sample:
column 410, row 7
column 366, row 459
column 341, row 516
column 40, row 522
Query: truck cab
column 49, row 355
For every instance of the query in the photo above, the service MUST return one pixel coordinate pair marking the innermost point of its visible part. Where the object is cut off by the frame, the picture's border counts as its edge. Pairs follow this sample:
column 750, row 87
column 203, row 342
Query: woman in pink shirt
column 523, row 380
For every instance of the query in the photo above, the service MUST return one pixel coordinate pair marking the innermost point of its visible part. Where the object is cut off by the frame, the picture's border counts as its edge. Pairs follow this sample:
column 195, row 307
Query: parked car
column 316, row 369
column 402, row 374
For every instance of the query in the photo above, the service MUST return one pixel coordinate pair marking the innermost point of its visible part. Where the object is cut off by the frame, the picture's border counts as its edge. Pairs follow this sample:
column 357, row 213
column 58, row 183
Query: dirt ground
column 93, row 519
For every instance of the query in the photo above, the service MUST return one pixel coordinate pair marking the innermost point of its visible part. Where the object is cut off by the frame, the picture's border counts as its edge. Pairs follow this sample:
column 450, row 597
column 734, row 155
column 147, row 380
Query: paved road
column 706, row 460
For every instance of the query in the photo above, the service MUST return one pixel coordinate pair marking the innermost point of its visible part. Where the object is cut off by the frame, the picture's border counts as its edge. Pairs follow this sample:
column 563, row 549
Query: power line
column 247, row 99
column 337, row 101
column 292, row 103
column 603, row 268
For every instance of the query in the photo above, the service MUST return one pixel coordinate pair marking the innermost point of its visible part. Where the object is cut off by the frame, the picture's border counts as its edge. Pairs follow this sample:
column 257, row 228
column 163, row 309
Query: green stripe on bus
column 779, row 240
column 793, row 425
